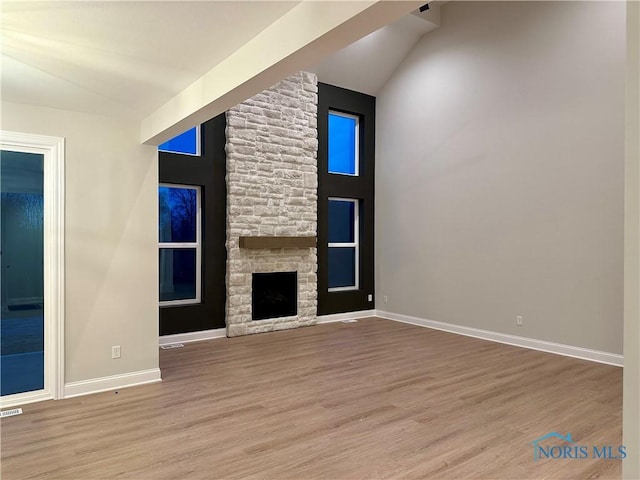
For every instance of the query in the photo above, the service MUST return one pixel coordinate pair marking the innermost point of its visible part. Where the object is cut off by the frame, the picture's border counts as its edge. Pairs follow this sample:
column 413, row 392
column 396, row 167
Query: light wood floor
column 374, row 399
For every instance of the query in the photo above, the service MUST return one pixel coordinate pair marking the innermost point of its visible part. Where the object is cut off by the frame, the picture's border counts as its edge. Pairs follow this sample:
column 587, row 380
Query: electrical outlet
column 519, row 321
column 385, row 299
column 370, row 297
column 115, row 351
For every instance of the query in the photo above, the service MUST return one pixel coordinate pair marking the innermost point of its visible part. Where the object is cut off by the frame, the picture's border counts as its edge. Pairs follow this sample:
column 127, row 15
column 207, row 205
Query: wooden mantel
column 277, row 242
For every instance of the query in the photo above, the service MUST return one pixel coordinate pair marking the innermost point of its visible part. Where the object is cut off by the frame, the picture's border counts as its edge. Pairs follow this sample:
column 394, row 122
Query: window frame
column 356, row 146
column 355, row 244
column 184, row 246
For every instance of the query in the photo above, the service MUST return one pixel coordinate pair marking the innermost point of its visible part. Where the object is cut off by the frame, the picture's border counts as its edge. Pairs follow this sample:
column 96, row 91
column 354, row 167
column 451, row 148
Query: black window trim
column 209, row 172
column 361, row 187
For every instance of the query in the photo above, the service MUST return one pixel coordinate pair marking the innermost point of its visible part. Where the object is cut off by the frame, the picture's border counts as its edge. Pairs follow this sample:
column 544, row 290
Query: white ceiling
column 120, row 58
column 129, row 58
column 366, row 65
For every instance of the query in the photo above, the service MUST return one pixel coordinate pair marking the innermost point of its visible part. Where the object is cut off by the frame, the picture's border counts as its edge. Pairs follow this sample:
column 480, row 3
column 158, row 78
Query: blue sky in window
column 342, row 144
column 186, row 142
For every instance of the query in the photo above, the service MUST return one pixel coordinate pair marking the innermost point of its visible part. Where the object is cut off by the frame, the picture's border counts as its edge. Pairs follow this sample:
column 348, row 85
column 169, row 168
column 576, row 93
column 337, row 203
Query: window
column 187, row 143
column 206, row 275
column 343, row 143
column 343, row 244
column 179, row 244
column 346, row 170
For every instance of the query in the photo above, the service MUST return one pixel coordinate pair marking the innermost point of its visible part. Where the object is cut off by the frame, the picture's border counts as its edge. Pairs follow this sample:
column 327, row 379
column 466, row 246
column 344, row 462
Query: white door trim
column 53, row 150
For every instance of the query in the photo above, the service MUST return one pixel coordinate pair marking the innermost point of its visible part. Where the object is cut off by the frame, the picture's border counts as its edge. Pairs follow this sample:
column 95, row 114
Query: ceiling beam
column 304, row 36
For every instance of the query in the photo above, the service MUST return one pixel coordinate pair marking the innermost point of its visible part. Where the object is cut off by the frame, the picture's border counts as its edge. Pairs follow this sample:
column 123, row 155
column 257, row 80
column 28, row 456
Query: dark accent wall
column 208, row 171
column 360, row 187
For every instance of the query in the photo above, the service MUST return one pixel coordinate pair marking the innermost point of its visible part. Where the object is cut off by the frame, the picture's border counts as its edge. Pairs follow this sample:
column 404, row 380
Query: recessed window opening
column 180, row 244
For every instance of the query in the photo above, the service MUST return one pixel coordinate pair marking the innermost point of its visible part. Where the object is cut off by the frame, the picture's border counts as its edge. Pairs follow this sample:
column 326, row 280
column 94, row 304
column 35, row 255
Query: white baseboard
column 338, row 317
column 533, row 344
column 9, row 401
column 193, row 336
column 113, row 382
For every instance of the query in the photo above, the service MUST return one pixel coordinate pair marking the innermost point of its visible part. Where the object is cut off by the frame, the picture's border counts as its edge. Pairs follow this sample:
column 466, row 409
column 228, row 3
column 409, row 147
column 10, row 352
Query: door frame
column 52, row 148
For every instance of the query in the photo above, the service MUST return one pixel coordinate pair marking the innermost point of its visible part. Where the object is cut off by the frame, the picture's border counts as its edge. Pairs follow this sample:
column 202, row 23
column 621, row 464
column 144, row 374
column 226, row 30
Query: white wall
column 631, row 372
column 500, row 171
column 110, row 239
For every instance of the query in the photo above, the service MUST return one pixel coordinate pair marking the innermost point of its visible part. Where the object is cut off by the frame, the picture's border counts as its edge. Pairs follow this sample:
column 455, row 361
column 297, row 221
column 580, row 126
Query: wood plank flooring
column 373, row 399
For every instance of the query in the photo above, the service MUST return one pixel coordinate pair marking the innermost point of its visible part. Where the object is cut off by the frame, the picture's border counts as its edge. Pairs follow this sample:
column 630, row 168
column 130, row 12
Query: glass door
column 22, row 364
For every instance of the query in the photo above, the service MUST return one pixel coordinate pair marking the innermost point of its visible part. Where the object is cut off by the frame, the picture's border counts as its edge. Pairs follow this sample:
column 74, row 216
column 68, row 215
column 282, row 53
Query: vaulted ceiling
column 173, row 64
column 120, row 58
column 367, row 64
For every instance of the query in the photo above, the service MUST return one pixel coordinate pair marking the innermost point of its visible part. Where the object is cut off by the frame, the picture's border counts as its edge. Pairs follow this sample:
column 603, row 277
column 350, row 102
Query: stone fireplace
column 272, row 188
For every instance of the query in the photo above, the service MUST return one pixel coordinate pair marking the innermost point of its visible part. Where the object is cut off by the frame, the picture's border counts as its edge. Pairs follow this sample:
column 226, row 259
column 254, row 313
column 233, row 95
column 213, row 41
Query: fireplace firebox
column 274, row 295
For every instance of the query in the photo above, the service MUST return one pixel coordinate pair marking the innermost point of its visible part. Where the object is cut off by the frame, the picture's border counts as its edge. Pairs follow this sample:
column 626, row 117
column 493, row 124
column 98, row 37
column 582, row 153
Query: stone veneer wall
column 272, row 189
